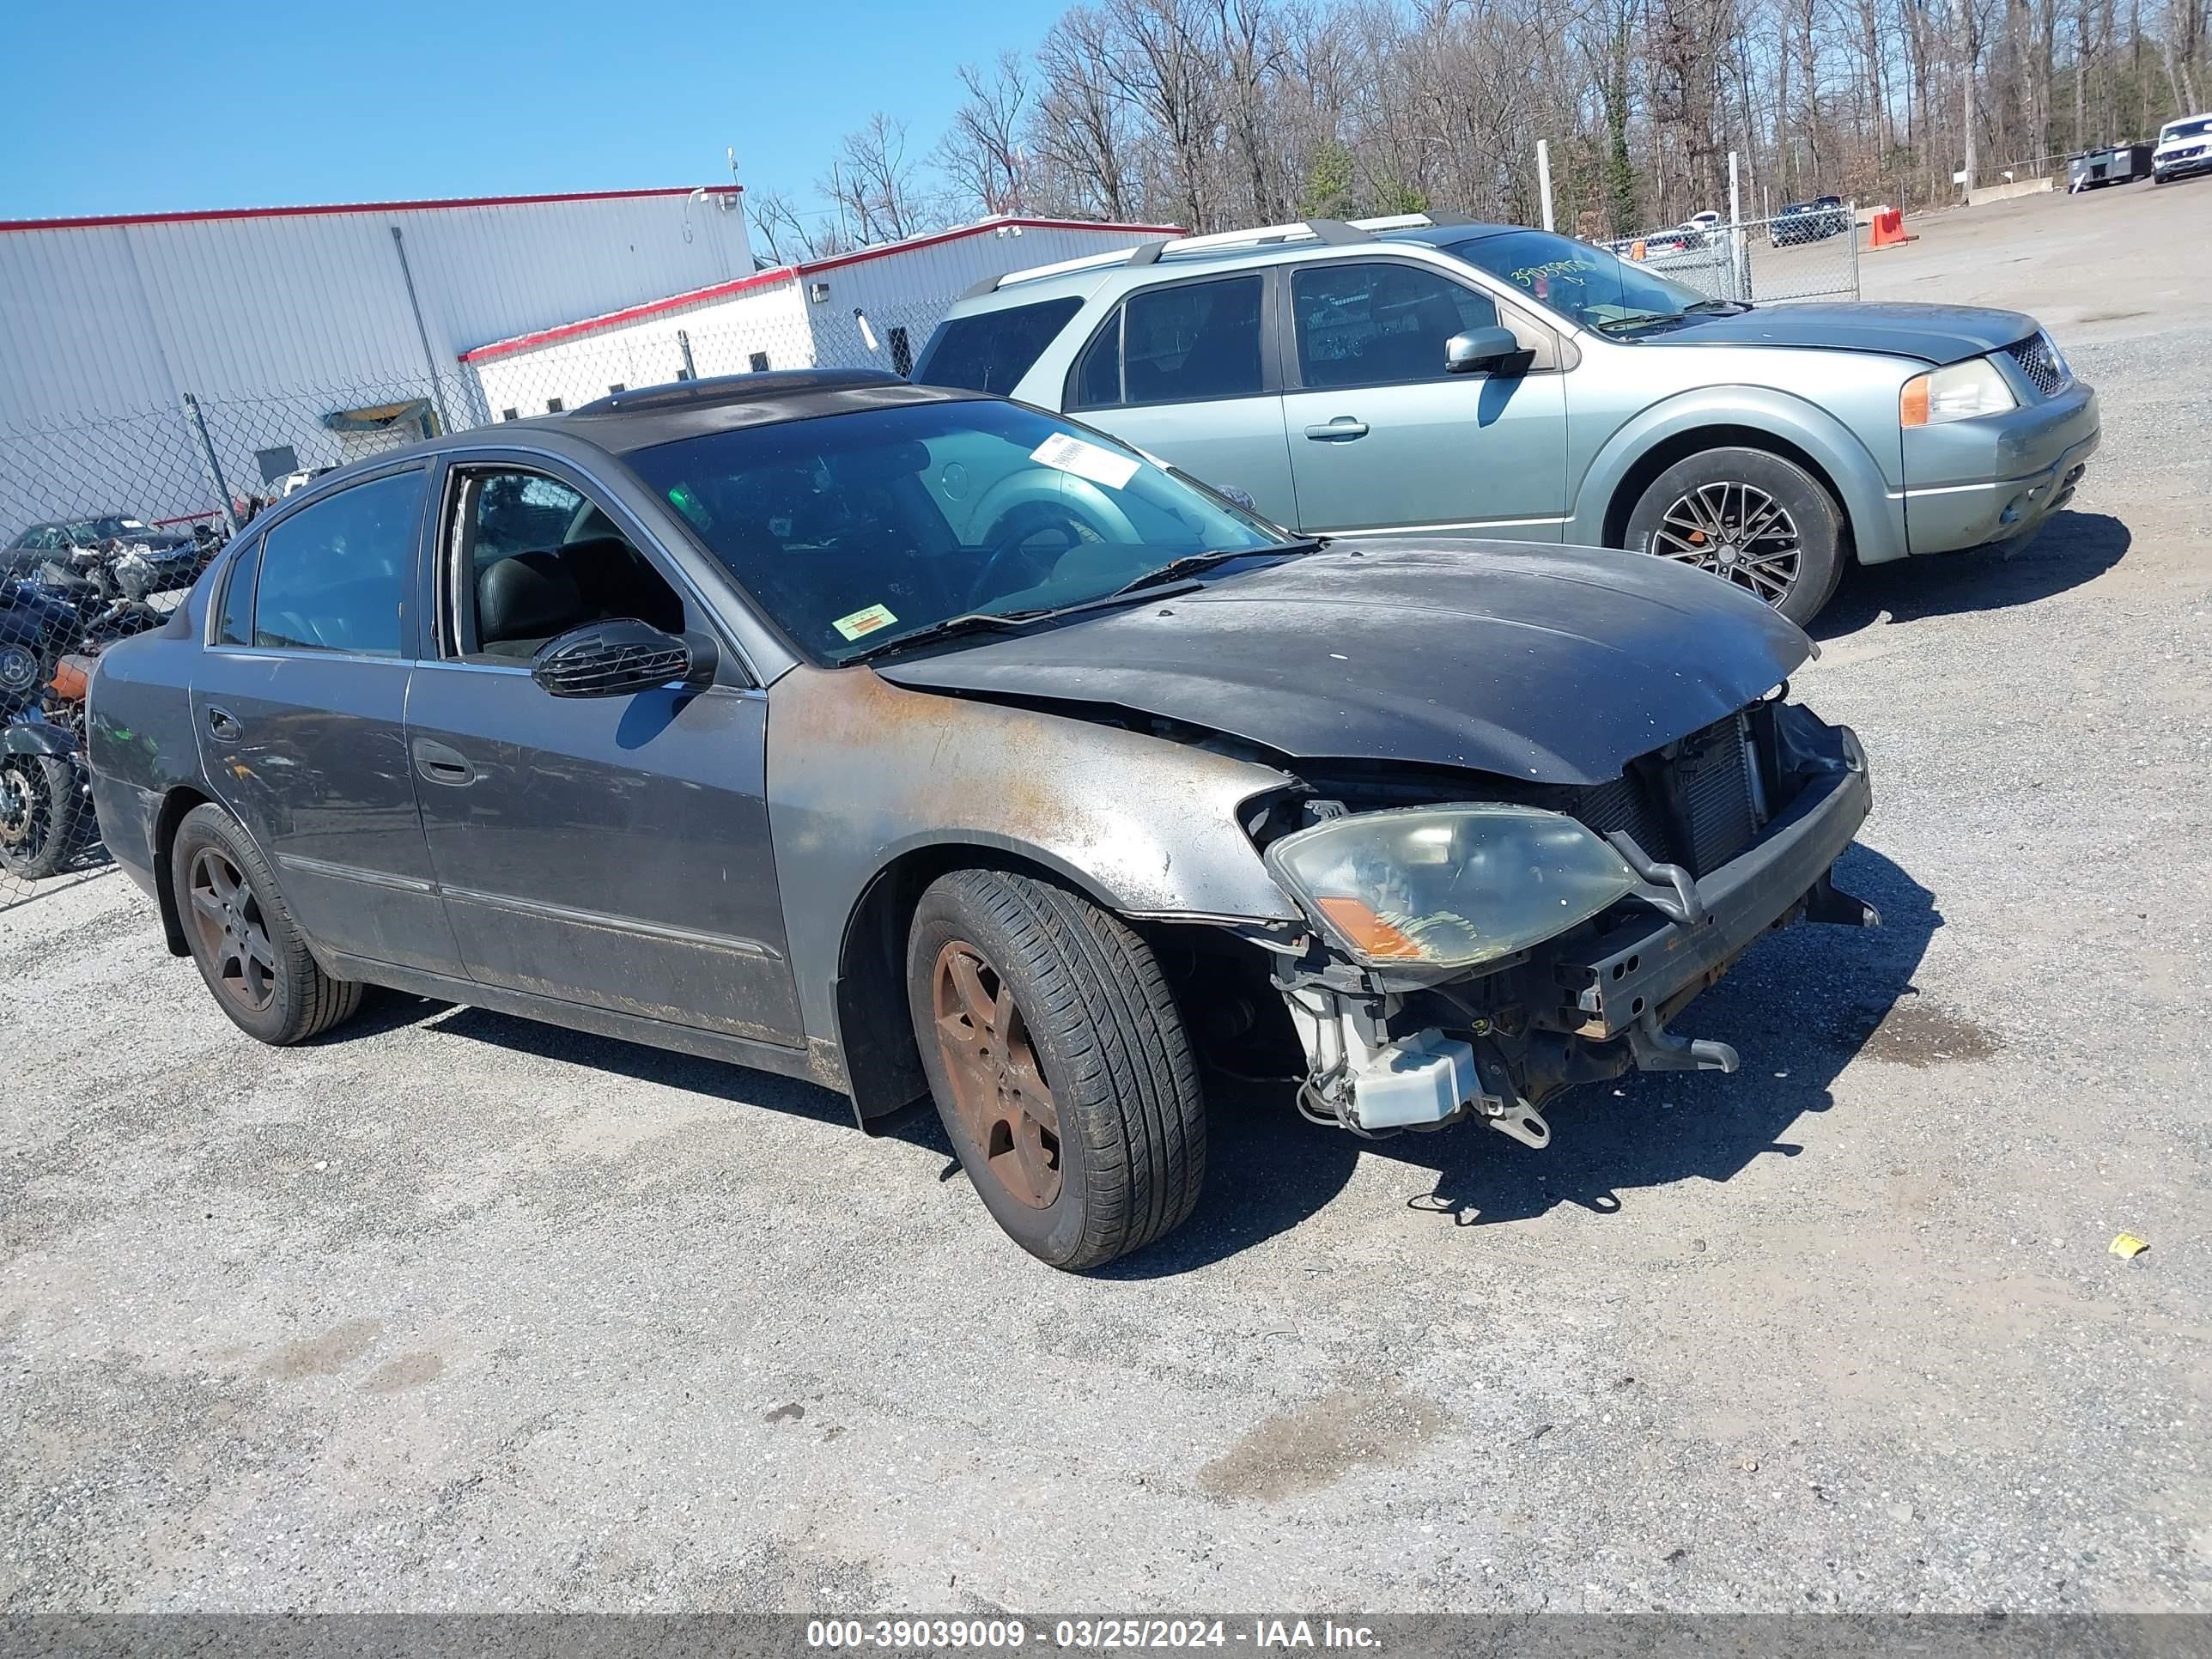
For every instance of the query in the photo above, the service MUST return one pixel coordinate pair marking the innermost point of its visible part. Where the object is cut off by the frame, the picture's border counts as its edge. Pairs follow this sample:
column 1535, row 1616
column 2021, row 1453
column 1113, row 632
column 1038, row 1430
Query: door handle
column 223, row 724
column 439, row 764
column 1342, row 430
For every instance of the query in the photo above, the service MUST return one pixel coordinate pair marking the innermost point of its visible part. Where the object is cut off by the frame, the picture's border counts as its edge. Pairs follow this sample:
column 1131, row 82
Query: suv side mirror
column 616, row 658
column 1478, row 347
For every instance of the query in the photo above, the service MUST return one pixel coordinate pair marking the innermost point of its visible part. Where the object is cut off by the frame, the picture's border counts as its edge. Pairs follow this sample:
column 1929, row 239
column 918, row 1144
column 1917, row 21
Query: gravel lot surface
column 457, row 1311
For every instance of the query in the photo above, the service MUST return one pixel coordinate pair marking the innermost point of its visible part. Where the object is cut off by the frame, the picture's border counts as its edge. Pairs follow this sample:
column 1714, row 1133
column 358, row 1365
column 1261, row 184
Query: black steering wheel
column 1015, row 532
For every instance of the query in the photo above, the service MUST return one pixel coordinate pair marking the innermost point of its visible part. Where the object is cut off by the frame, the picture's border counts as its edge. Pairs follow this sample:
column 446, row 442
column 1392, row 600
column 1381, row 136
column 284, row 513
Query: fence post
column 1738, row 288
column 1544, row 177
column 1851, row 235
column 684, row 345
column 208, row 465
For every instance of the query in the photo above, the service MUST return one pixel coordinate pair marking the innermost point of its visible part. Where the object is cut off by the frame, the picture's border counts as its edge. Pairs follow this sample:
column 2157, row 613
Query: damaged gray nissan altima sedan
column 920, row 743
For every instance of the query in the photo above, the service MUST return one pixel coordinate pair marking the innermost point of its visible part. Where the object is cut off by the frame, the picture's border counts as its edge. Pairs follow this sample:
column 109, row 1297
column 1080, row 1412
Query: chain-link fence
column 1812, row 254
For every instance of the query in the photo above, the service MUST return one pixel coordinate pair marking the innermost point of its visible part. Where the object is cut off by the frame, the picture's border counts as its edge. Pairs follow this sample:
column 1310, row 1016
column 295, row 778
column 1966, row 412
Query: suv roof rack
column 1333, row 233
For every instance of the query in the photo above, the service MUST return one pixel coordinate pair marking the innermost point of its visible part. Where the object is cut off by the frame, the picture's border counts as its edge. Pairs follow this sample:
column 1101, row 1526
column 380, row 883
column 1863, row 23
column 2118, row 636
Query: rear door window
column 235, row 627
column 334, row 575
column 991, row 350
column 1182, row 344
column 1379, row 324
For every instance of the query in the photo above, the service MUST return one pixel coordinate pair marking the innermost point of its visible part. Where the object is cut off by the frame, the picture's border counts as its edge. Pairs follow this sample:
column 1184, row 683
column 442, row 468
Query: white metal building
column 305, row 335
column 798, row 316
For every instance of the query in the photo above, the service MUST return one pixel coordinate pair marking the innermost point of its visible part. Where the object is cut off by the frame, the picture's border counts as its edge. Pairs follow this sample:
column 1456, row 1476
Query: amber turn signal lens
column 69, row 681
column 1912, row 402
column 1368, row 932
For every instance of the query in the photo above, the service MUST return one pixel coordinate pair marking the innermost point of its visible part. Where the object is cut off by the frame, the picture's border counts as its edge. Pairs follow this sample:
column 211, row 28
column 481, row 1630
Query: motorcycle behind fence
column 53, row 625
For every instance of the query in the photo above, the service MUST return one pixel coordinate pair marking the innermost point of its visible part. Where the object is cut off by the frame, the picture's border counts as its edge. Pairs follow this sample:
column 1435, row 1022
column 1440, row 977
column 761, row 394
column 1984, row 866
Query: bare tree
column 791, row 233
column 881, row 193
column 981, row 154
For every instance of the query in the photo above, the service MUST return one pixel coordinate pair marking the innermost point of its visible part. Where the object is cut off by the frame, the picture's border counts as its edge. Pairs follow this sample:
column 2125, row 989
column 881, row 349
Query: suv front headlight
column 1447, row 886
column 1957, row 391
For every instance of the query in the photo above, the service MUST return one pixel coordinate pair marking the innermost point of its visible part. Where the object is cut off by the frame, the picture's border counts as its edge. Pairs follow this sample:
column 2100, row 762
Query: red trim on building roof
column 356, row 207
column 630, row 313
column 723, row 290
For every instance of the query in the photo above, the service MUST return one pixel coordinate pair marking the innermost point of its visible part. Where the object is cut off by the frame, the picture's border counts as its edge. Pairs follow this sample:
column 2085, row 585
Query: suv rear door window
column 1380, row 324
column 333, row 575
column 990, row 351
column 1183, row 343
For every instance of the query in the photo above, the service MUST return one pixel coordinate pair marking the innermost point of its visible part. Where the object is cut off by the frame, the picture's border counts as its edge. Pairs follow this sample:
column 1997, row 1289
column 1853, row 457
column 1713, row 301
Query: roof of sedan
column 630, row 421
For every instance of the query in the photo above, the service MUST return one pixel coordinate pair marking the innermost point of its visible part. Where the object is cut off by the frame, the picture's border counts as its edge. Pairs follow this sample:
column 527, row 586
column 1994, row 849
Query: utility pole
column 1544, row 178
column 1966, row 41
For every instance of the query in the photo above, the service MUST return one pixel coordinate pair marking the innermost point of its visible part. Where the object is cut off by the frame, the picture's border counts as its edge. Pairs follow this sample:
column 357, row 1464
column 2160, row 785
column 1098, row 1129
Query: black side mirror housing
column 615, row 658
column 1480, row 348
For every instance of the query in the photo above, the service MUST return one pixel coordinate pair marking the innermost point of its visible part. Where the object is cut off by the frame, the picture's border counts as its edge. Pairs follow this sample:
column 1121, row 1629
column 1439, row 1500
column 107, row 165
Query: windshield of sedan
column 2200, row 128
column 85, row 532
column 855, row 530
column 1596, row 289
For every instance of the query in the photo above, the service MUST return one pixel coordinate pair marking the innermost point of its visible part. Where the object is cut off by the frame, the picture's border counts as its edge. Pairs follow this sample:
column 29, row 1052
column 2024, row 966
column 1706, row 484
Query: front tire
column 1059, row 1064
column 248, row 949
column 1752, row 518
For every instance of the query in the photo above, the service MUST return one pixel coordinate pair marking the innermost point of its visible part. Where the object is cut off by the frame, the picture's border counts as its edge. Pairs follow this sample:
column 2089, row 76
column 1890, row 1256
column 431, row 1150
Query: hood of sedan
column 1555, row 665
column 1934, row 334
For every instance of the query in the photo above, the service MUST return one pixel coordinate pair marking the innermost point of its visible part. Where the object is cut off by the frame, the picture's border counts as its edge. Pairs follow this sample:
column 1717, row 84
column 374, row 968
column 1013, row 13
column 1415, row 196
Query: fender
column 1876, row 516
column 863, row 773
column 34, row 736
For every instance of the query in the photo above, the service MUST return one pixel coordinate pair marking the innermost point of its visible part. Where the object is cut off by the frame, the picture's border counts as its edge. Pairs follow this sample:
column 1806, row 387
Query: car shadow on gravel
column 390, row 1011
column 1796, row 1009
column 2074, row 548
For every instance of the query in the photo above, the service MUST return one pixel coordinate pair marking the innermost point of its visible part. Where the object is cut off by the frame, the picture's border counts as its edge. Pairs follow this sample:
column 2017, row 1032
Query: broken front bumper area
column 1596, row 1002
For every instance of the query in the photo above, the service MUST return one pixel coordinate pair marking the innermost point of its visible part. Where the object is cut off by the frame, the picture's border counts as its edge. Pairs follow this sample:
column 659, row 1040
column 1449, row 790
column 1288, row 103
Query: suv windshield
column 857, row 530
column 2200, row 128
column 1592, row 287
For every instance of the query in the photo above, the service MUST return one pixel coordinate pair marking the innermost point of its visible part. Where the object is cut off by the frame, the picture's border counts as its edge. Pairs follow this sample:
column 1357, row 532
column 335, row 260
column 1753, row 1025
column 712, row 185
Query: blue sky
column 148, row 105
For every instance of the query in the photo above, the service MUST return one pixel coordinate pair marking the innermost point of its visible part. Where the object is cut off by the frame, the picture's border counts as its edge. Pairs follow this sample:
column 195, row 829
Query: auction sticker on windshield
column 864, row 622
column 1070, row 453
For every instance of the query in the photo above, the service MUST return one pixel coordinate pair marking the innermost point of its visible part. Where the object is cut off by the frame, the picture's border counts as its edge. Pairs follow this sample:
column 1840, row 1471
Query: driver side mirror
column 1480, row 348
column 616, row 658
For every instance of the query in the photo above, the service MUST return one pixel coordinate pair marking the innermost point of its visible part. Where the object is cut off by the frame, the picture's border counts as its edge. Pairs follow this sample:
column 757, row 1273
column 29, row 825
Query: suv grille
column 2038, row 362
column 1710, row 817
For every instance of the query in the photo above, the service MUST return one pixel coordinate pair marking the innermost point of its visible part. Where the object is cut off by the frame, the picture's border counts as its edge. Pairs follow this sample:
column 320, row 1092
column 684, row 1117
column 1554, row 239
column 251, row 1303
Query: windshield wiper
column 1191, row 563
column 971, row 622
column 1638, row 319
column 1000, row 621
column 1717, row 307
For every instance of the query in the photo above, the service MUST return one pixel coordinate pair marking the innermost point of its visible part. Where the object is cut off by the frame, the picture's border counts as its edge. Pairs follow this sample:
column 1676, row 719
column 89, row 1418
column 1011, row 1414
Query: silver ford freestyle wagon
column 1420, row 375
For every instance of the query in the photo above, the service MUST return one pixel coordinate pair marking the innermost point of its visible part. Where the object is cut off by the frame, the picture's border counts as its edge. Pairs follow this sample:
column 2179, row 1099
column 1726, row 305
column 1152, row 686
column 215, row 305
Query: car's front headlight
column 1956, row 392
column 1447, row 886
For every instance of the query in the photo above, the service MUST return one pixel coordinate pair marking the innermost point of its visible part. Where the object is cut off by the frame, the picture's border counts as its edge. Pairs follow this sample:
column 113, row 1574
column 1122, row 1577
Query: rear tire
column 1699, row 510
column 248, row 949
column 1059, row 1064
column 40, row 807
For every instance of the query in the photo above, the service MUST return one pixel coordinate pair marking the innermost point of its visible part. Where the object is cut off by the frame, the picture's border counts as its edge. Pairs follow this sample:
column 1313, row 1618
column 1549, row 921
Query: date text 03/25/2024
column 1087, row 1634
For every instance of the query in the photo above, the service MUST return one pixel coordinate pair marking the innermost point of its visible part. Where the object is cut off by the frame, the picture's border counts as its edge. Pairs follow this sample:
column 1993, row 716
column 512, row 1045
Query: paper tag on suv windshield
column 1070, row 453
column 864, row 622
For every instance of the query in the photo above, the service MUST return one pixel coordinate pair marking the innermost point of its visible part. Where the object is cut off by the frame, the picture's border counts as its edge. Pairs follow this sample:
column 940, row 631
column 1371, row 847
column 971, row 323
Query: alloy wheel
column 1000, row 1091
column 1736, row 531
column 232, row 933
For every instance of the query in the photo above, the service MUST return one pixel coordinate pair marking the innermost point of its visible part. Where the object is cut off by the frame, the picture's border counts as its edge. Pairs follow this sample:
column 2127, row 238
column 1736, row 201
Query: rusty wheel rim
column 998, row 1090
column 233, row 935
column 22, row 800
